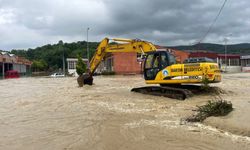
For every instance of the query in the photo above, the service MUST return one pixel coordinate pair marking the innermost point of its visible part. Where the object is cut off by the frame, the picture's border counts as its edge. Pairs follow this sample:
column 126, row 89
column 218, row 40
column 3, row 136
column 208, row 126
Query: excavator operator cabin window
column 164, row 61
column 148, row 63
column 156, row 61
column 172, row 59
column 152, row 66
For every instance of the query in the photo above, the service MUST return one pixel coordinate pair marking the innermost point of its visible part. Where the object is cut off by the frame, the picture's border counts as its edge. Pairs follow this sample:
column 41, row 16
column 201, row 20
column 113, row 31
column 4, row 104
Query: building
column 201, row 53
column 120, row 63
column 71, row 63
column 106, row 65
column 245, row 63
column 180, row 56
column 129, row 63
column 13, row 62
column 126, row 63
column 227, row 63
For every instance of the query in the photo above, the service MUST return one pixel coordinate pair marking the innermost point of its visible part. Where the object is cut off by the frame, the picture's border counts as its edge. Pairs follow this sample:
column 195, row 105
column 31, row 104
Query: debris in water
column 212, row 108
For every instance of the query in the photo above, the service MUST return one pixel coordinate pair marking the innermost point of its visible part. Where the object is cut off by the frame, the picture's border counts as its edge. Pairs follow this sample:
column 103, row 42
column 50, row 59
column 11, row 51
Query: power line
column 212, row 24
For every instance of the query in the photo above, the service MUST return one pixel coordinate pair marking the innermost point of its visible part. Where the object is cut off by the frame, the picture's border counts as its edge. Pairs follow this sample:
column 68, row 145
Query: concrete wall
column 231, row 69
column 245, row 69
column 72, row 72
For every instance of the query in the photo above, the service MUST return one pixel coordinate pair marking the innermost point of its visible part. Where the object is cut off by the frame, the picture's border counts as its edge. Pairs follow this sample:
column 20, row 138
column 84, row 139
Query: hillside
column 243, row 48
column 49, row 57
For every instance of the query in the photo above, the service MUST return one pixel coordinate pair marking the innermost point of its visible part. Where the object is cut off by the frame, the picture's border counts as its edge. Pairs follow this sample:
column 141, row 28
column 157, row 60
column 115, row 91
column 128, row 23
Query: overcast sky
column 32, row 23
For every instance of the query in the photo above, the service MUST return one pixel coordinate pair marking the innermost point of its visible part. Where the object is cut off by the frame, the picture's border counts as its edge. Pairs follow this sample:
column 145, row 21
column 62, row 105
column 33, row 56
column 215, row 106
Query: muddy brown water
column 53, row 113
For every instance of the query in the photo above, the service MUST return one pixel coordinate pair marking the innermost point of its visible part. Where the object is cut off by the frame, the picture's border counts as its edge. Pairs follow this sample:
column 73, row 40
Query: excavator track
column 170, row 92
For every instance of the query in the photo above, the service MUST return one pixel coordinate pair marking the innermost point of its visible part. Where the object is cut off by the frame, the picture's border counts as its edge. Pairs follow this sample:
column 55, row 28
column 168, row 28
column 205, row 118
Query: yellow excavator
column 159, row 67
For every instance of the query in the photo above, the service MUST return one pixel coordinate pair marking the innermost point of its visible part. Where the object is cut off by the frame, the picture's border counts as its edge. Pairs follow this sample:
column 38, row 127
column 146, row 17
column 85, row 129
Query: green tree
column 52, row 54
column 80, row 66
column 39, row 65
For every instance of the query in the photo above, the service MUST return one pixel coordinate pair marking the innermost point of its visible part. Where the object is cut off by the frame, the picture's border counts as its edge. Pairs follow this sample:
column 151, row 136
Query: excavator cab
column 155, row 62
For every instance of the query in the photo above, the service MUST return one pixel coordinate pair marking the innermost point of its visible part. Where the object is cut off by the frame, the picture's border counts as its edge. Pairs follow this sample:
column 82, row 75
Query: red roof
column 229, row 56
column 11, row 71
column 159, row 47
column 204, row 54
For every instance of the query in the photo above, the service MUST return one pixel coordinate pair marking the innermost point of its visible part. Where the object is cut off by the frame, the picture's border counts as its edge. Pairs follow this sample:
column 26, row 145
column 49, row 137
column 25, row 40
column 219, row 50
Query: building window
column 234, row 62
column 72, row 65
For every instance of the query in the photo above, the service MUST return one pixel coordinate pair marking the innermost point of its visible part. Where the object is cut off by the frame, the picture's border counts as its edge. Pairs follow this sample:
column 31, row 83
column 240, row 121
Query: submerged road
column 53, row 113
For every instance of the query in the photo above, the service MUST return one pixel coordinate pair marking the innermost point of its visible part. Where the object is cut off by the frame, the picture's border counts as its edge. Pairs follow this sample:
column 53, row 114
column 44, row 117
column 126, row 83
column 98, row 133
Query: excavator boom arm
column 128, row 45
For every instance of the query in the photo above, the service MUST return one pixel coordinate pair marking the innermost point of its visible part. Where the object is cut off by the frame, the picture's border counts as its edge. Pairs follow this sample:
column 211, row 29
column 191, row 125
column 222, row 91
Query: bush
column 205, row 84
column 80, row 66
column 212, row 108
column 39, row 65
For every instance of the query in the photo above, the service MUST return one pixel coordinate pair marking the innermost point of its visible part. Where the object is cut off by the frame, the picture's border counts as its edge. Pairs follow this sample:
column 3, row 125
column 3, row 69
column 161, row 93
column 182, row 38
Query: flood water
column 53, row 113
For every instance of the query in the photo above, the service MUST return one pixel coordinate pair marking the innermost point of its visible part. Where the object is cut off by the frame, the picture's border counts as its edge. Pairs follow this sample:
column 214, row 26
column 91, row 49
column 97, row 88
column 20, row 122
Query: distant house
column 202, row 53
column 180, row 56
column 106, row 65
column 120, row 63
column 228, row 63
column 245, row 63
column 72, row 65
column 229, row 59
column 12, row 62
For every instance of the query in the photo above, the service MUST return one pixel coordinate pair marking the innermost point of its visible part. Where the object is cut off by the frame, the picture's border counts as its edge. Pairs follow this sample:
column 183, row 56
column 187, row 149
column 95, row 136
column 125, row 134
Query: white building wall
column 245, row 69
column 72, row 72
column 231, row 69
column 72, row 65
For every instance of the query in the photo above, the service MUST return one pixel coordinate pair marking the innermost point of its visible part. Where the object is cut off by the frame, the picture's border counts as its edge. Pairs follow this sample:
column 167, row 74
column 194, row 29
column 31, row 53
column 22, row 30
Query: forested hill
column 242, row 49
column 50, row 56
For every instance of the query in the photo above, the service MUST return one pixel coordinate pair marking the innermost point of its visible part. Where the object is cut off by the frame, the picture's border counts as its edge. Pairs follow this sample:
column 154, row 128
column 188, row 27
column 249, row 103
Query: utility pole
column 63, row 63
column 225, row 40
column 88, row 43
column 63, row 57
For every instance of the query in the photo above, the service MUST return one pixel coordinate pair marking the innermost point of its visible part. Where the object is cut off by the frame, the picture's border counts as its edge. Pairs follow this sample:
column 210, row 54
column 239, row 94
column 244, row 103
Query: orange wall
column 180, row 55
column 126, row 63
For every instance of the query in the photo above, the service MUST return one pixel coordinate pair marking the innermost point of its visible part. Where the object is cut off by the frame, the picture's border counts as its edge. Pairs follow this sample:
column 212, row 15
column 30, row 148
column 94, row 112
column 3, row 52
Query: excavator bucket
column 87, row 79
